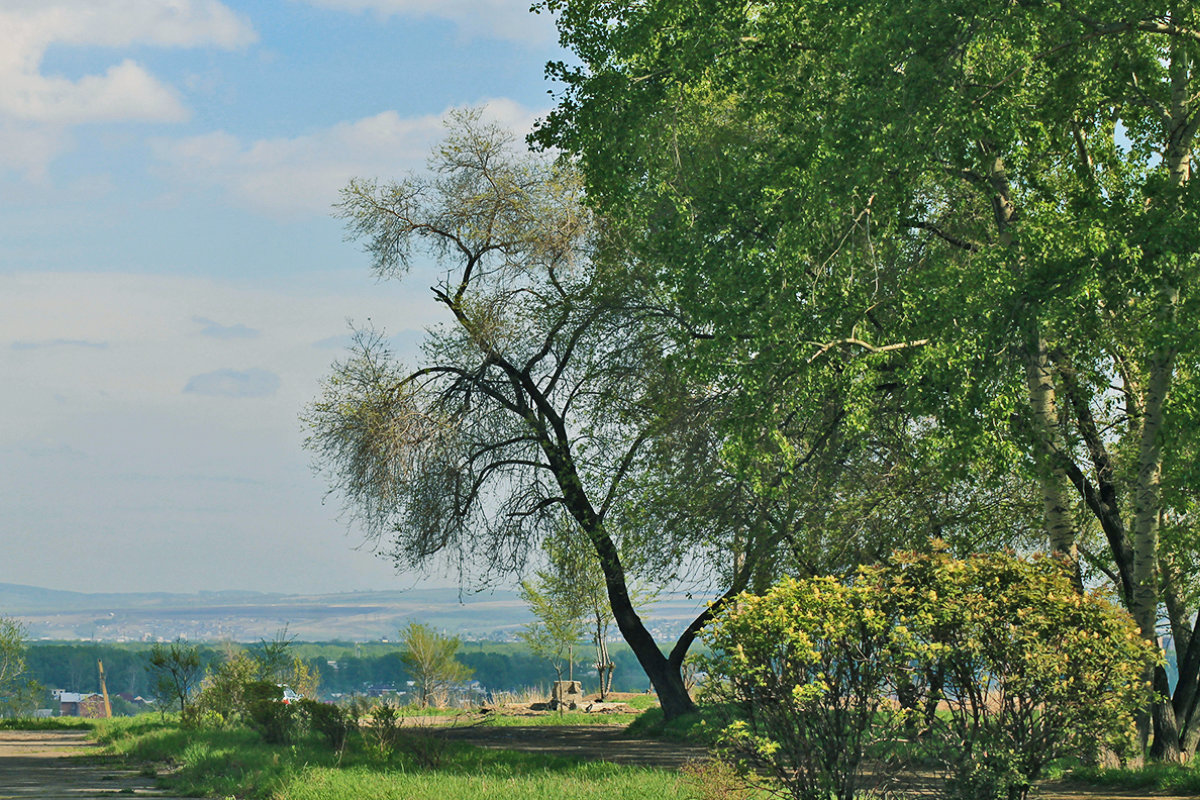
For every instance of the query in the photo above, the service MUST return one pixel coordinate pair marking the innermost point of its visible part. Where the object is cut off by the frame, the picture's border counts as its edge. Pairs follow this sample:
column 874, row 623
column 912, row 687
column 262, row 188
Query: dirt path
column 39, row 764
column 605, row 743
column 596, row 742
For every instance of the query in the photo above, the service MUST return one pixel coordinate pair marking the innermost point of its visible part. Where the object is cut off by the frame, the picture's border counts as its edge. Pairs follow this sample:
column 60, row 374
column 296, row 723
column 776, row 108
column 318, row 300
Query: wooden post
column 104, row 691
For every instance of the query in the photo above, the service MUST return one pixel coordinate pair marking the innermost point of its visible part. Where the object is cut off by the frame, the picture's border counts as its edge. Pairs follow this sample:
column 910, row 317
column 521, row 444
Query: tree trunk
column 1147, row 504
column 665, row 675
column 1052, row 479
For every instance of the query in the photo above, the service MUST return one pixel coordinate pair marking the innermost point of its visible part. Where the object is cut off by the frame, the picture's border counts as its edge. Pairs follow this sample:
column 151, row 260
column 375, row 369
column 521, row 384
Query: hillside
column 250, row 616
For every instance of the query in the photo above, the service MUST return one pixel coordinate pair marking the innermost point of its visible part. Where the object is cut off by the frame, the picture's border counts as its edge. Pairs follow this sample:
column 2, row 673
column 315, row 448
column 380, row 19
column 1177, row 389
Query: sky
column 173, row 286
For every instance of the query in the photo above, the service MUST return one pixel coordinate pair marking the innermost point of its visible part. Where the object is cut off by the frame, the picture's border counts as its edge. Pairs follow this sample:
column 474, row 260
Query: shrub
column 806, row 668
column 332, row 722
column 992, row 666
column 1026, row 669
column 222, row 699
column 275, row 720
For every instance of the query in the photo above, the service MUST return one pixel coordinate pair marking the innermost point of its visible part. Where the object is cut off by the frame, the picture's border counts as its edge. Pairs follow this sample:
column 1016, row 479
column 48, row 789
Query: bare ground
column 45, row 765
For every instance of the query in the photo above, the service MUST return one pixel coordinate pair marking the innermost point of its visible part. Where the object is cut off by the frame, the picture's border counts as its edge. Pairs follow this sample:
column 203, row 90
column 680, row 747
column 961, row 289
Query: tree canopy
column 980, row 211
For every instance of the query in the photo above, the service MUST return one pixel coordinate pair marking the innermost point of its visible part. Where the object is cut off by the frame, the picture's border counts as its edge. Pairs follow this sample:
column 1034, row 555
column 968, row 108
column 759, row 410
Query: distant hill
column 250, row 616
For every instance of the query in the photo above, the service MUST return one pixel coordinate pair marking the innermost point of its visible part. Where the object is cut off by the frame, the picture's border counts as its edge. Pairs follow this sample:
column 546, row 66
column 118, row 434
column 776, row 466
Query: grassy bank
column 237, row 763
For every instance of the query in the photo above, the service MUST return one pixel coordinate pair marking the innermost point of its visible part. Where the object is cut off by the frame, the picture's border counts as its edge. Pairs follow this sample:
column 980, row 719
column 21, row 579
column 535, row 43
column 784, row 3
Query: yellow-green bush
column 992, row 667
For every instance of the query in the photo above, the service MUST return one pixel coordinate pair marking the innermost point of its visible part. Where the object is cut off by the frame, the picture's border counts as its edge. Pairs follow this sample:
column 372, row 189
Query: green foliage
column 223, row 698
column 276, row 721
column 175, row 670
column 980, row 217
column 560, row 610
column 1030, row 670
column 808, row 666
column 998, row 665
column 333, row 723
column 429, row 656
column 18, row 691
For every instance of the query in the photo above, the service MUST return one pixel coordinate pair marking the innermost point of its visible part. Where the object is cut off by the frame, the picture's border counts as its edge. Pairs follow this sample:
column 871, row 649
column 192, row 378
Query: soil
column 45, row 765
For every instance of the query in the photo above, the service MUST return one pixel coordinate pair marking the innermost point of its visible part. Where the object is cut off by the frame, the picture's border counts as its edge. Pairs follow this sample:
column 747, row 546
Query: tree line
column 72, row 667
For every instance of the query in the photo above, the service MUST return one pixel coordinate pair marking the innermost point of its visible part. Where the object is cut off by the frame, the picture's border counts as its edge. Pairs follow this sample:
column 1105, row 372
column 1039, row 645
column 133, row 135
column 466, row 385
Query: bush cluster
column 991, row 668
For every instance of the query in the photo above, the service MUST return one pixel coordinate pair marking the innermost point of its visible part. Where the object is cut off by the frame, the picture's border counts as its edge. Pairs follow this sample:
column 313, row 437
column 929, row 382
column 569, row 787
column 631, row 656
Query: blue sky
column 172, row 285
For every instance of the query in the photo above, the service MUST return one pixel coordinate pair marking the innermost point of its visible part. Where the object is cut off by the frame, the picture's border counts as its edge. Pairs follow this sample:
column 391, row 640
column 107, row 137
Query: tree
column 175, row 671
column 568, row 600
column 18, row 692
column 275, row 663
column 987, row 204
column 557, row 626
column 429, row 656
column 536, row 400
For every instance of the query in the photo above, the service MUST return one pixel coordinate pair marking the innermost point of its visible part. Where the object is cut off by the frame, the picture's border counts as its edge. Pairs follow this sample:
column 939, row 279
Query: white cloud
column 302, row 175
column 496, row 19
column 36, row 107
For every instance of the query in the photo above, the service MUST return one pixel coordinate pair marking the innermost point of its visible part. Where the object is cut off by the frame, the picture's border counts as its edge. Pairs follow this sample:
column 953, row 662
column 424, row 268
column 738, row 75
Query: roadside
column 47, row 765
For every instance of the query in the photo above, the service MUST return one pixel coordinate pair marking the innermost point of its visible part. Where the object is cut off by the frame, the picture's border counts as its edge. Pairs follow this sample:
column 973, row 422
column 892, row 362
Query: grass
column 498, row 777
column 1170, row 778
column 698, row 727
column 551, row 718
column 45, row 724
column 236, row 762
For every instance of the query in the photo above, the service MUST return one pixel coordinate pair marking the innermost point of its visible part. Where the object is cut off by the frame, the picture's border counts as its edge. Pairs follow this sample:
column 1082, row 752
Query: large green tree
column 986, row 206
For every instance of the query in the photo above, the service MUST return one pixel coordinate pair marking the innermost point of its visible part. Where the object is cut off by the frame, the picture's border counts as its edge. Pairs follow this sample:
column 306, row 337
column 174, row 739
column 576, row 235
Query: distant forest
column 360, row 668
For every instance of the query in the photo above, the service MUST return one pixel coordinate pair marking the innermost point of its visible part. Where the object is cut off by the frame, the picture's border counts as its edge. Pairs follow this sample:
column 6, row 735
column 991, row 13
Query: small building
column 74, row 704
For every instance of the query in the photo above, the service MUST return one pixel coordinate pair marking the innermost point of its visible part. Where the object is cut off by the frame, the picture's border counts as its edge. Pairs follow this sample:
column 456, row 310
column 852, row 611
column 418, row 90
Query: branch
column 964, row 244
column 825, row 348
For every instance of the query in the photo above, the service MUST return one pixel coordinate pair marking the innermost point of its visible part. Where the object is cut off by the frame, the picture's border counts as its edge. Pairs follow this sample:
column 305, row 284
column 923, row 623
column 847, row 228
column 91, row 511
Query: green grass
column 494, row 778
column 1169, row 778
column 45, row 724
column 236, row 762
column 699, row 727
column 551, row 719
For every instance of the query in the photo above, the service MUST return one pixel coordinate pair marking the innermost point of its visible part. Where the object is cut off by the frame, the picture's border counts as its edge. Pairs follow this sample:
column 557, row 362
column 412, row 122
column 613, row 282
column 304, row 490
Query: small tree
column 429, row 656
column 175, row 671
column 223, row 691
column 18, row 692
column 558, row 624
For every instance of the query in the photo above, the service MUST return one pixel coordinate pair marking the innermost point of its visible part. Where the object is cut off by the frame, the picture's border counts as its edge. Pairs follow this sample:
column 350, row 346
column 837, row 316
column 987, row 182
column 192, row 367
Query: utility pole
column 104, row 691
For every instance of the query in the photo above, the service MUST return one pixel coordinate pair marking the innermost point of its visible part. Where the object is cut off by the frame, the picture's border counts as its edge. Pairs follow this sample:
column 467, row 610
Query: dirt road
column 37, row 764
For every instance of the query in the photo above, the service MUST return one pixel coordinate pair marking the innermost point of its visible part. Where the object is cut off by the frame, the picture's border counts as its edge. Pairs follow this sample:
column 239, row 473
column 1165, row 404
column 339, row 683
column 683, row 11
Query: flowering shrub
column 993, row 667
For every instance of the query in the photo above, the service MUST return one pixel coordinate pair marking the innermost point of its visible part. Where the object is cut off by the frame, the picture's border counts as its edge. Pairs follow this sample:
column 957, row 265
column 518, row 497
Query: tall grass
column 491, row 781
